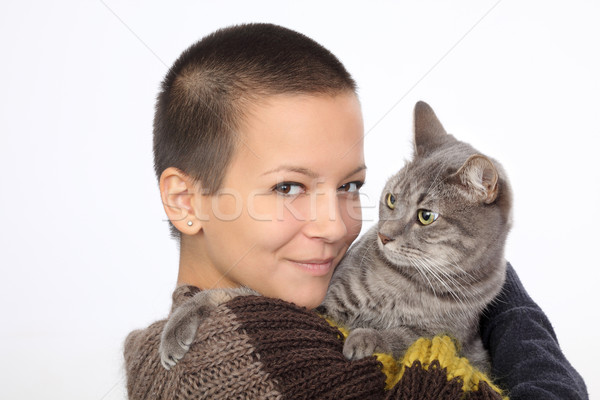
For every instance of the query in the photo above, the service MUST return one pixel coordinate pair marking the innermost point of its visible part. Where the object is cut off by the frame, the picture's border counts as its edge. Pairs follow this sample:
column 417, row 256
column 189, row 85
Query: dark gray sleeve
column 526, row 358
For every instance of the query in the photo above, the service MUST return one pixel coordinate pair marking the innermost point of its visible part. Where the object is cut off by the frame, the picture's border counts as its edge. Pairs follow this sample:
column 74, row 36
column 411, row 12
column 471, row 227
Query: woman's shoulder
column 250, row 347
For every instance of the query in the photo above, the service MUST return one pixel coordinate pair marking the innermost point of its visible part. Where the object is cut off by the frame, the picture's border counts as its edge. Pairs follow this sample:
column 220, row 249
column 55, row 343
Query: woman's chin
column 310, row 299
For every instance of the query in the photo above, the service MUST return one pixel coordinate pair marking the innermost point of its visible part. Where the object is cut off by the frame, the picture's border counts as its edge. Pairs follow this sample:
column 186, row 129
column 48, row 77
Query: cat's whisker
column 415, row 263
column 454, row 259
column 434, row 265
column 442, row 265
column 367, row 252
column 452, row 269
column 436, row 270
column 475, row 291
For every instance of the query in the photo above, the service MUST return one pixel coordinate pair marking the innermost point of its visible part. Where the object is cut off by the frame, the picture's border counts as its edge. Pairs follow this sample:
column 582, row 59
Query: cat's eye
column 427, row 217
column 390, row 201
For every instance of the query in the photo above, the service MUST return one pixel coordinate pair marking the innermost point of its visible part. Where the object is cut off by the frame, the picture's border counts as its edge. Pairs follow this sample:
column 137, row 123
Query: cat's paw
column 363, row 342
column 181, row 327
column 176, row 338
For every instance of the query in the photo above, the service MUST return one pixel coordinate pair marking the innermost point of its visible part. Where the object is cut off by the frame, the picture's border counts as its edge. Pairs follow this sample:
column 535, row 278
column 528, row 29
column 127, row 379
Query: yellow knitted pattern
column 440, row 348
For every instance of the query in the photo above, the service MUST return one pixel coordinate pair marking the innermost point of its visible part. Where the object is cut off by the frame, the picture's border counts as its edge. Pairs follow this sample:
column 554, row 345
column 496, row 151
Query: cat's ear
column 429, row 132
column 478, row 177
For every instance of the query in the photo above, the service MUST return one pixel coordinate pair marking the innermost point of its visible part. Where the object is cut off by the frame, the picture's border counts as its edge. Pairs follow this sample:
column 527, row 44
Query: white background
column 86, row 255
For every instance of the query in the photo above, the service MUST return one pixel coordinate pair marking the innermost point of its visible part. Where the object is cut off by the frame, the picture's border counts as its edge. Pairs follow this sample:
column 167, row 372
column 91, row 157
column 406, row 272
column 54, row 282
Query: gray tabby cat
column 430, row 266
column 436, row 257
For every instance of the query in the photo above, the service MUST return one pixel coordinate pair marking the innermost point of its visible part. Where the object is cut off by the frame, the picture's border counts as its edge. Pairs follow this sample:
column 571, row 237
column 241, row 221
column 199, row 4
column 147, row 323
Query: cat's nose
column 384, row 239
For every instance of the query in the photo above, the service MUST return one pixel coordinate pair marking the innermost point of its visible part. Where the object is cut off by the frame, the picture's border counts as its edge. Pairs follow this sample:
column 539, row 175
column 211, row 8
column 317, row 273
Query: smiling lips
column 315, row 267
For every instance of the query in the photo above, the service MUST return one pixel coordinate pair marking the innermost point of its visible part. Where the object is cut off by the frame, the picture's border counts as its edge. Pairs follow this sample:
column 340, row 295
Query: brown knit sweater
column 260, row 348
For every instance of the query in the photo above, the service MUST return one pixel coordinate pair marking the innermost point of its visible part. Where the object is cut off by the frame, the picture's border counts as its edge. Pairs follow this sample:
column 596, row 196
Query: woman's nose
column 326, row 219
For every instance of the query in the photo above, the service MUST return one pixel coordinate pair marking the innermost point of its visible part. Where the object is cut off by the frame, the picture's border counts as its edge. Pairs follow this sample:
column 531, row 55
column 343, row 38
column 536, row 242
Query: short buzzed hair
column 204, row 95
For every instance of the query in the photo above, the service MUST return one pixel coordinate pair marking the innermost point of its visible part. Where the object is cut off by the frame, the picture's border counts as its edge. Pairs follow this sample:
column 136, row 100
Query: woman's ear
column 179, row 198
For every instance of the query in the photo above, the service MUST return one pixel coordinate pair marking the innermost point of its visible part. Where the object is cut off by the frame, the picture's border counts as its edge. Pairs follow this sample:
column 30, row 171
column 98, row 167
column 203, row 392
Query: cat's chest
column 392, row 299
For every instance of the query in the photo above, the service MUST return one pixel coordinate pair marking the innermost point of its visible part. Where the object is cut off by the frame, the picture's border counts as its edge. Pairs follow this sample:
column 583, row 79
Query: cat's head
column 447, row 210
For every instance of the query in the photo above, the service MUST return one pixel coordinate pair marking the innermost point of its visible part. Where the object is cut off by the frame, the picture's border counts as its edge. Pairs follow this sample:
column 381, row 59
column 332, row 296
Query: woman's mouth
column 315, row 267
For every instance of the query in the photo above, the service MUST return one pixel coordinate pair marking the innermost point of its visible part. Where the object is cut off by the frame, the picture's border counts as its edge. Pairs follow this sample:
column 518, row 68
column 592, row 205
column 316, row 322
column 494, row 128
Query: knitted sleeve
column 255, row 347
column 526, row 357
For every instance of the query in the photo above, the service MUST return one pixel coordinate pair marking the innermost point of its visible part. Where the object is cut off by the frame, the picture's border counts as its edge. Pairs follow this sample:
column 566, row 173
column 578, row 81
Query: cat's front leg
column 363, row 342
column 180, row 330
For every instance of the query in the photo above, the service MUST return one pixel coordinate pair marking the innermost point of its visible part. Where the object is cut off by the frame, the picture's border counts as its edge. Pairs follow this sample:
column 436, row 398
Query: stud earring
column 190, row 223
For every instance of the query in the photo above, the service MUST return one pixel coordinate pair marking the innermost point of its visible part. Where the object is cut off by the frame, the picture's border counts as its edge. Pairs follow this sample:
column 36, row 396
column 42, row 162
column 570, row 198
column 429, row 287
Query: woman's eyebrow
column 310, row 173
column 356, row 170
column 290, row 168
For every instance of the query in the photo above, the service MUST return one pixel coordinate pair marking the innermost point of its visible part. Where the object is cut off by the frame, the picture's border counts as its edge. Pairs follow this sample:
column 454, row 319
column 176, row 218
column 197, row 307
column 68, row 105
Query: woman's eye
column 427, row 217
column 351, row 187
column 289, row 188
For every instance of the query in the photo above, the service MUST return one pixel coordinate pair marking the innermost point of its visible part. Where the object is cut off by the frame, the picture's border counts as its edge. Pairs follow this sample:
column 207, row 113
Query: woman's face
column 289, row 206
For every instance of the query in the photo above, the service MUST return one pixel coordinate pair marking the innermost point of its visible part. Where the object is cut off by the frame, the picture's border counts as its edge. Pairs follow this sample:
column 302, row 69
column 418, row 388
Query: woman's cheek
column 351, row 212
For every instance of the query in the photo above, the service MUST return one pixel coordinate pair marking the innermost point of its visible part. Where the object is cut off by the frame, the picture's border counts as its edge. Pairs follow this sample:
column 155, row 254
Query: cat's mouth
column 394, row 253
column 394, row 257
